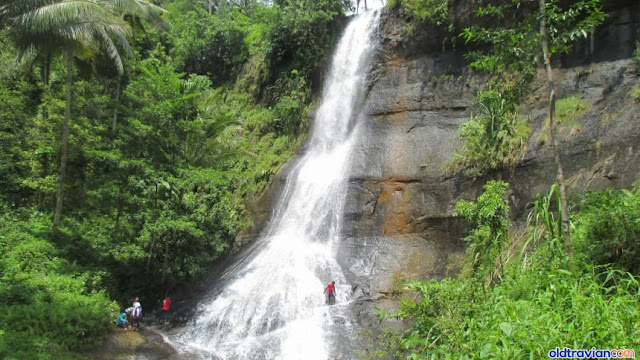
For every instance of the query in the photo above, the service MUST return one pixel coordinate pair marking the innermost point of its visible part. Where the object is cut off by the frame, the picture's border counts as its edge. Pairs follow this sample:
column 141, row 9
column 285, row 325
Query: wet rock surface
column 146, row 344
column 378, row 264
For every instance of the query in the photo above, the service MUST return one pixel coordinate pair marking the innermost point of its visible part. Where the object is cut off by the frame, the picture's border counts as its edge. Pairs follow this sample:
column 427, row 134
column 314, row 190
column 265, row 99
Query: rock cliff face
column 399, row 218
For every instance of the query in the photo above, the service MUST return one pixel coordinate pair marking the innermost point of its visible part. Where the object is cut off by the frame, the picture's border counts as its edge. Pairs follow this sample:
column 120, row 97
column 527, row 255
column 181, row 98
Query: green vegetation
column 491, row 139
column 48, row 304
column 607, row 229
column 567, row 111
column 424, row 16
column 521, row 292
column 125, row 163
column 429, row 11
column 635, row 92
column 519, row 298
column 510, row 42
column 569, row 108
column 490, row 226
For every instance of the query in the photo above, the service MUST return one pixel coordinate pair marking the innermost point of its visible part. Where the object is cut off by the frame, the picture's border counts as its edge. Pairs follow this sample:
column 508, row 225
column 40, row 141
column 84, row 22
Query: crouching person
column 121, row 320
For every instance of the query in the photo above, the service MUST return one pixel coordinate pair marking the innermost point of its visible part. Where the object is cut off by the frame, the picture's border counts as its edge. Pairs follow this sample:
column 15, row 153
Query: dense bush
column 47, row 307
column 302, row 36
column 290, row 94
column 430, row 11
column 215, row 47
column 487, row 216
column 530, row 313
column 607, row 229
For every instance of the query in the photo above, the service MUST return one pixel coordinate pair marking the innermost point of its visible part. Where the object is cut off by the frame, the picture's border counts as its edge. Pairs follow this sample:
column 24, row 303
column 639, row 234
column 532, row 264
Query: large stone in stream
column 379, row 266
column 146, row 344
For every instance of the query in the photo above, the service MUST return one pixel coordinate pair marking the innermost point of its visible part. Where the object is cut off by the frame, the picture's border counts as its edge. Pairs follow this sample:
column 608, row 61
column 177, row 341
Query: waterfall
column 272, row 305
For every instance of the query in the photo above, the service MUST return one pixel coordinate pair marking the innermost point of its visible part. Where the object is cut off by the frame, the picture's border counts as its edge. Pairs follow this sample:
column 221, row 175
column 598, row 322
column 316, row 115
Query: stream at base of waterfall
column 270, row 303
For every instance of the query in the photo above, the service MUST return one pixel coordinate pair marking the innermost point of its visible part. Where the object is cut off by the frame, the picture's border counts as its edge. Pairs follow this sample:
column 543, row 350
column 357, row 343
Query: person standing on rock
column 330, row 291
column 136, row 314
column 166, row 303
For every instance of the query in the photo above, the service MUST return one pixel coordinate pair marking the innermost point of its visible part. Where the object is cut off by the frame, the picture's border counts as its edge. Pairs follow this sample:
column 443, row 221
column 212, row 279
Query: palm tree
column 69, row 27
column 136, row 10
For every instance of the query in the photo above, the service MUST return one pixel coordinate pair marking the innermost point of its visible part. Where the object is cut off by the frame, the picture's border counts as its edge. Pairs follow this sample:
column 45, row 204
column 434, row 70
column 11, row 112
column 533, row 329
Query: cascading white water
column 273, row 307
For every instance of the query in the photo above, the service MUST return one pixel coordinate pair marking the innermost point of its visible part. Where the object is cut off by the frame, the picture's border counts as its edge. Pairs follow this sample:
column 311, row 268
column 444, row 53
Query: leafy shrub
column 607, row 229
column 209, row 45
column 493, row 138
column 426, row 11
column 47, row 309
column 302, row 35
column 392, row 4
column 524, row 317
column 488, row 216
column 290, row 94
column 430, row 11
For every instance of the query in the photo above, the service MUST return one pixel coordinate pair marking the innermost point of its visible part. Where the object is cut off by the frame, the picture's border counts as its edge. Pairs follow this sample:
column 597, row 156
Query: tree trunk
column 114, row 121
column 153, row 241
column 119, row 207
column 65, row 144
column 166, row 261
column 44, row 161
column 564, row 211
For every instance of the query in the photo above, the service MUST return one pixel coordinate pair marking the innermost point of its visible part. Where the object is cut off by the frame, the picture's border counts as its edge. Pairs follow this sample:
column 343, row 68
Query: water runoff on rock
column 271, row 306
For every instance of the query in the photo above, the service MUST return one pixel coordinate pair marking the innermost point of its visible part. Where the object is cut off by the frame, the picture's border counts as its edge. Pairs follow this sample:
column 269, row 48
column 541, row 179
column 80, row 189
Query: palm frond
column 140, row 8
column 230, row 135
column 47, row 17
column 122, row 42
column 81, row 26
column 112, row 50
column 10, row 9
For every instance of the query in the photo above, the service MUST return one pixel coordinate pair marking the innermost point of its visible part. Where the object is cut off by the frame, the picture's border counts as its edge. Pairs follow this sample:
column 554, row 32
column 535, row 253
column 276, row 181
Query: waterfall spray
column 273, row 307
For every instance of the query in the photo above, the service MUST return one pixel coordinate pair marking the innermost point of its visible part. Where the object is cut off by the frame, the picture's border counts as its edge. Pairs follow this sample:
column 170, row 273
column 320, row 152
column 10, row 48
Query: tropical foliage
column 430, row 11
column 509, row 49
column 132, row 142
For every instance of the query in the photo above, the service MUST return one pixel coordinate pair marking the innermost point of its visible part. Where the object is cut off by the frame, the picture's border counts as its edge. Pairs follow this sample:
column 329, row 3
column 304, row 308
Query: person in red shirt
column 166, row 303
column 330, row 290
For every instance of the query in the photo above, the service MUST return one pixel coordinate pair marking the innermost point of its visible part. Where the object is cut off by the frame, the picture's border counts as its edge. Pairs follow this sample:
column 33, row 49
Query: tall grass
column 569, row 108
column 540, row 303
